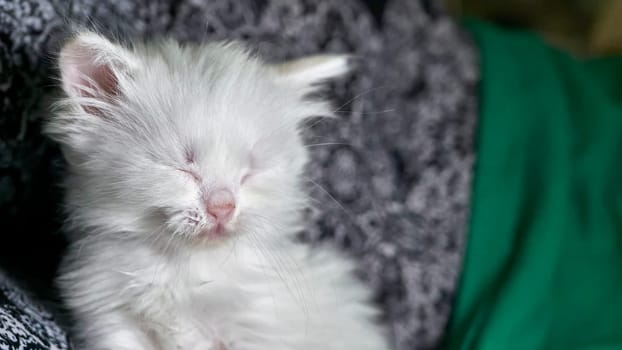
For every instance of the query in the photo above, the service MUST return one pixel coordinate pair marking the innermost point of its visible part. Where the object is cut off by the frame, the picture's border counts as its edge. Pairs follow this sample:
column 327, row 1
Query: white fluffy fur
column 148, row 132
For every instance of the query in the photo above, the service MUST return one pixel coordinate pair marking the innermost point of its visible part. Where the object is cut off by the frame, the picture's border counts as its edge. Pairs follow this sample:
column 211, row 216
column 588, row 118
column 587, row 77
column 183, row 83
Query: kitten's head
column 199, row 142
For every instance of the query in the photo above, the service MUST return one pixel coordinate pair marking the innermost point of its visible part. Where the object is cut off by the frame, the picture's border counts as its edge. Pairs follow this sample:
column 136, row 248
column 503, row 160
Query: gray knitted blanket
column 391, row 176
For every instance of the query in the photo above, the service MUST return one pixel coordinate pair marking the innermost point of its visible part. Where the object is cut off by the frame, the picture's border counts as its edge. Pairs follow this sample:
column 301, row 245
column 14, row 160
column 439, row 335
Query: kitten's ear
column 91, row 68
column 306, row 75
column 310, row 71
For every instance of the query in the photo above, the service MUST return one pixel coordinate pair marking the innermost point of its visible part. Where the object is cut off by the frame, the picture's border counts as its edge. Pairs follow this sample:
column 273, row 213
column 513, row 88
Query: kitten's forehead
column 217, row 69
column 223, row 91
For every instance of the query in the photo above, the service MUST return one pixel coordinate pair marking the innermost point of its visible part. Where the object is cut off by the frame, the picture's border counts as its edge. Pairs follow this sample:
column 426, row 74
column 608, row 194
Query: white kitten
column 183, row 198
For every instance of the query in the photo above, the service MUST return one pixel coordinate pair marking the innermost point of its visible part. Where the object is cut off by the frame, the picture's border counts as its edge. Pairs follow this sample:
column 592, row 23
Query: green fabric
column 543, row 267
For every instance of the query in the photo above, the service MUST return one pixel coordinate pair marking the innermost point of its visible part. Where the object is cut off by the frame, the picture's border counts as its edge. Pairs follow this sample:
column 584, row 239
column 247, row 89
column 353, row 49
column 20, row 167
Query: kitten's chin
column 217, row 233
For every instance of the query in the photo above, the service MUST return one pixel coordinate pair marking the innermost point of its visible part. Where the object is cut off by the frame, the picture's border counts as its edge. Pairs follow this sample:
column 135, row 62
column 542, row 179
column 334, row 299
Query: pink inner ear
column 86, row 79
column 104, row 78
column 83, row 77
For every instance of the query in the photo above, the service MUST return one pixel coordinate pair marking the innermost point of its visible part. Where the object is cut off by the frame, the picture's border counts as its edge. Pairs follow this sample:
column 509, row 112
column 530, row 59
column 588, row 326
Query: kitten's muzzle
column 220, row 205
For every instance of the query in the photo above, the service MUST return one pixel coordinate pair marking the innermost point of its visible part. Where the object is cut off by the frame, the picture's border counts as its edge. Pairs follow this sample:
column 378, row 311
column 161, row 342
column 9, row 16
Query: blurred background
column 583, row 27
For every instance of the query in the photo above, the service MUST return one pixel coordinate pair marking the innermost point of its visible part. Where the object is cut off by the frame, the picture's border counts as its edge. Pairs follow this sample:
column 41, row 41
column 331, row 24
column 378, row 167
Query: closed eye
column 251, row 170
column 189, row 155
column 191, row 173
column 245, row 177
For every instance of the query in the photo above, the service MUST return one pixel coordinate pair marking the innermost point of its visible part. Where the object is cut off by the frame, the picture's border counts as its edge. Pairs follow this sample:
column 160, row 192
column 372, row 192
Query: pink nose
column 221, row 205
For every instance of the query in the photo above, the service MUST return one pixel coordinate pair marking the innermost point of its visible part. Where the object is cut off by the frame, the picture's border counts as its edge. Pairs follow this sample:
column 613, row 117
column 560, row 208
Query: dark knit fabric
column 390, row 178
column 24, row 324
